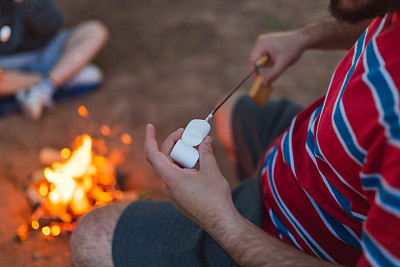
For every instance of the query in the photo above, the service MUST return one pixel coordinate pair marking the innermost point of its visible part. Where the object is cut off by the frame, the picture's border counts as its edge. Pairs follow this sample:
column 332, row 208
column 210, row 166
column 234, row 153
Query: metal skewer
column 260, row 62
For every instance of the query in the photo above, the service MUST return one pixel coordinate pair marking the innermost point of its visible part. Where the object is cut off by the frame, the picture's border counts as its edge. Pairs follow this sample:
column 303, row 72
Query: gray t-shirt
column 32, row 22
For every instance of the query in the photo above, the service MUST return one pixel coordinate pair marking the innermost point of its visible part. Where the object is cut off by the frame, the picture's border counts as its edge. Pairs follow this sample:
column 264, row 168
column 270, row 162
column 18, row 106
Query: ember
column 79, row 181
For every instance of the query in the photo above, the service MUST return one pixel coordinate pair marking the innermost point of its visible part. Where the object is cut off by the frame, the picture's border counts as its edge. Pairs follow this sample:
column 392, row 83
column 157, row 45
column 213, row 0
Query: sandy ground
column 166, row 62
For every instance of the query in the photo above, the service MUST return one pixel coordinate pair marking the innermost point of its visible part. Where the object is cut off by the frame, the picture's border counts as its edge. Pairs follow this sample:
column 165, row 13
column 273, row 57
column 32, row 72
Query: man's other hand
column 284, row 48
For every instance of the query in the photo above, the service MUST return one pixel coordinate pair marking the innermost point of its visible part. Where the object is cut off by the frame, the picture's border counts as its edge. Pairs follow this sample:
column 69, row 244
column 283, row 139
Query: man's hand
column 202, row 195
column 284, row 49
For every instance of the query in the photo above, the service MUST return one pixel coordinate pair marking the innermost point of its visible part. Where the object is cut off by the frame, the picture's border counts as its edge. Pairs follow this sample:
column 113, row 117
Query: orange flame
column 78, row 183
column 81, row 181
column 63, row 175
column 73, row 186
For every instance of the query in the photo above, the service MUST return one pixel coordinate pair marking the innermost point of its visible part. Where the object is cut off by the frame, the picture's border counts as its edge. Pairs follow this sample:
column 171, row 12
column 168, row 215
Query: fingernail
column 208, row 140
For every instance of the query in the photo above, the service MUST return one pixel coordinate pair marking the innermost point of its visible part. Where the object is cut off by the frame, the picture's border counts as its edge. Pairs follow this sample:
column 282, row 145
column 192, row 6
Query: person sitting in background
column 37, row 57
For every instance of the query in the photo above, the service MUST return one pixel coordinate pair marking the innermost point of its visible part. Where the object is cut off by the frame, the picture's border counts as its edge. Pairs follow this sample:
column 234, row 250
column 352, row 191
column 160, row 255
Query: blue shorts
column 154, row 233
column 37, row 61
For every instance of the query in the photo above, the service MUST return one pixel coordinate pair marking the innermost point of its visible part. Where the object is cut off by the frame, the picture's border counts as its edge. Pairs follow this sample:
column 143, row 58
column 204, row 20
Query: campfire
column 76, row 182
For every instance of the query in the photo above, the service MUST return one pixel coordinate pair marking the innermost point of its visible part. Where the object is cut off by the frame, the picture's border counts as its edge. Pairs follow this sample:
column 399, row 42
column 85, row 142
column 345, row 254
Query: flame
column 78, row 183
column 72, row 187
column 62, row 176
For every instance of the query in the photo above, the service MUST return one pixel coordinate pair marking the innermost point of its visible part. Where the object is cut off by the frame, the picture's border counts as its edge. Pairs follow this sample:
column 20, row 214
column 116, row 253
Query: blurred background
column 166, row 62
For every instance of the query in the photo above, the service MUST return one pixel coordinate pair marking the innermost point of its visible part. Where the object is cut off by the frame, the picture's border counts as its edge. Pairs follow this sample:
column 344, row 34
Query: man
column 37, row 57
column 329, row 183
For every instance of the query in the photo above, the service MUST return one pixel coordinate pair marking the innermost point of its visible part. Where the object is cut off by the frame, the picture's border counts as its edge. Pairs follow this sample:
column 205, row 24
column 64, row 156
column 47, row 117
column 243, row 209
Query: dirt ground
column 166, row 62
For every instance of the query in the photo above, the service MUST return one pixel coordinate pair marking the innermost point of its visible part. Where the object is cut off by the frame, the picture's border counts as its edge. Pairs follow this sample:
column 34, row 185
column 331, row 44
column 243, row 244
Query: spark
column 65, row 153
column 126, row 139
column 46, row 230
column 105, row 130
column 35, row 225
column 83, row 111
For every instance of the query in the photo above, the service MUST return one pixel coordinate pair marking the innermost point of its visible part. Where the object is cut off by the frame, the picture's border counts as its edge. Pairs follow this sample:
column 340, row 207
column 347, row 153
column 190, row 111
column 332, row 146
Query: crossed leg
column 84, row 43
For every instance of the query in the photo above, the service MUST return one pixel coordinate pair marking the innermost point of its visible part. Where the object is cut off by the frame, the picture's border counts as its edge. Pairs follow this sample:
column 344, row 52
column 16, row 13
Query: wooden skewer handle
column 262, row 61
column 259, row 93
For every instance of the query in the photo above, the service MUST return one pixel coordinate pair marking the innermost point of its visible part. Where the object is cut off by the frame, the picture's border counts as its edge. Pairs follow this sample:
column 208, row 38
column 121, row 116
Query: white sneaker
column 89, row 75
column 36, row 99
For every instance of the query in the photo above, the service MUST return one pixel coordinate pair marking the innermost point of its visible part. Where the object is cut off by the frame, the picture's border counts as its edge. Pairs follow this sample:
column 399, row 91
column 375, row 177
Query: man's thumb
column 207, row 159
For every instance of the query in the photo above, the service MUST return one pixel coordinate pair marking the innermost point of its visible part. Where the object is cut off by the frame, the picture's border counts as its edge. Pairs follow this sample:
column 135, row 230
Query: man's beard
column 367, row 10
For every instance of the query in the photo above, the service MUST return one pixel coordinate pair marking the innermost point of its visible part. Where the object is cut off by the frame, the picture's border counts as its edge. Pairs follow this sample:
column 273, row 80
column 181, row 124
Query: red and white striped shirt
column 331, row 182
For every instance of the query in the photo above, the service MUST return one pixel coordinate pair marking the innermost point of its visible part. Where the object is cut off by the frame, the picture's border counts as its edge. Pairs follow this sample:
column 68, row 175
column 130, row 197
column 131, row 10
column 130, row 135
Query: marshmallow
column 195, row 132
column 184, row 154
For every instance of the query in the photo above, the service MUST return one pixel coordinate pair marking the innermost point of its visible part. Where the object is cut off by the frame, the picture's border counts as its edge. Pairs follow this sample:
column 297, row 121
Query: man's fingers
column 273, row 73
column 161, row 163
column 251, row 63
column 151, row 145
column 207, row 159
column 153, row 155
column 150, row 138
column 169, row 143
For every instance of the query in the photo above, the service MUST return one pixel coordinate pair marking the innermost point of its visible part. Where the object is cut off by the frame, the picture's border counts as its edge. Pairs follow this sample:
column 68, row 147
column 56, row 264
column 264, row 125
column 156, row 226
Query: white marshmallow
column 195, row 132
column 184, row 154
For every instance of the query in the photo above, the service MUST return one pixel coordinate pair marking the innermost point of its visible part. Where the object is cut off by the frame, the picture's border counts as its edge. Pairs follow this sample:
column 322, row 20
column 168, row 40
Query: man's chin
column 363, row 10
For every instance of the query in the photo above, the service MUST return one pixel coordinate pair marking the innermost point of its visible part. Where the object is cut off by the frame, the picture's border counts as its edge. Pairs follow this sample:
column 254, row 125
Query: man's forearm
column 249, row 245
column 332, row 34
